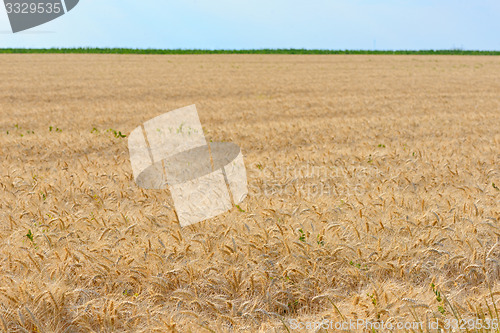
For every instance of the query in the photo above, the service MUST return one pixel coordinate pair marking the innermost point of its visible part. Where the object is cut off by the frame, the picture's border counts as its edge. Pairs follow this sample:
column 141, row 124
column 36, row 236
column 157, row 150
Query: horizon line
column 118, row 50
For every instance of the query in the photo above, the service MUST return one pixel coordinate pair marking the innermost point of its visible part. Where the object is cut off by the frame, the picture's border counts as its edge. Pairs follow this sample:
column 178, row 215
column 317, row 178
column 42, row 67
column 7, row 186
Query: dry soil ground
column 371, row 178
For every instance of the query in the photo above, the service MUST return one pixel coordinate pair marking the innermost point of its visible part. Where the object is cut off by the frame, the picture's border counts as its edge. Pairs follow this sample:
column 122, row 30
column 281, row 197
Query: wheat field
column 374, row 193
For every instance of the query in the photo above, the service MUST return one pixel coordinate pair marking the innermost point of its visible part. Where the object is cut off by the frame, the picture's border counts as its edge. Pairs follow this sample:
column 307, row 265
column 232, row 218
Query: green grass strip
column 250, row 51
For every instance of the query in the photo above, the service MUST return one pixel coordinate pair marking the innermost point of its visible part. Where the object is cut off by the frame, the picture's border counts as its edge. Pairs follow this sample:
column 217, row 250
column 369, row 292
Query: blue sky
column 246, row 24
